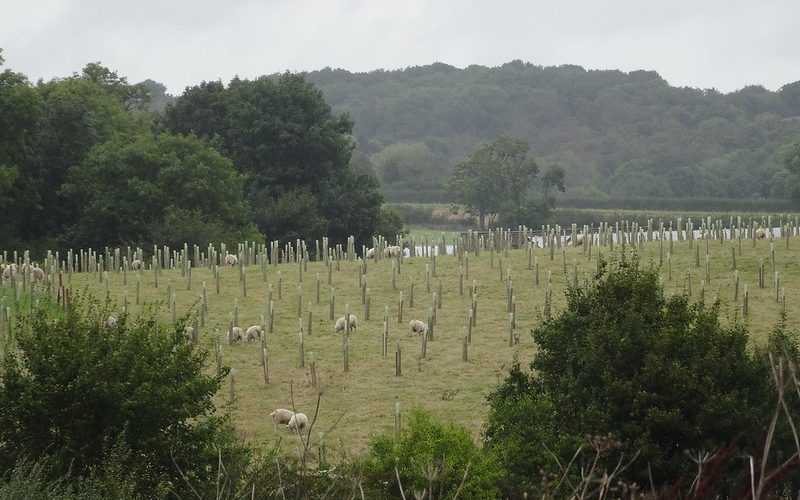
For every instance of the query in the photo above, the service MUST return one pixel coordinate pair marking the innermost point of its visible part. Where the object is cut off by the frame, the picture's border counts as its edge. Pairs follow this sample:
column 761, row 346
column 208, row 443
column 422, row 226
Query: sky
column 721, row 44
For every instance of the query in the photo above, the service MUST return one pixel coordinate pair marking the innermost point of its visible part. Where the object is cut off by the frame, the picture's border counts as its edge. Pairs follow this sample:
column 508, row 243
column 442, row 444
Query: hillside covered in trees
column 614, row 133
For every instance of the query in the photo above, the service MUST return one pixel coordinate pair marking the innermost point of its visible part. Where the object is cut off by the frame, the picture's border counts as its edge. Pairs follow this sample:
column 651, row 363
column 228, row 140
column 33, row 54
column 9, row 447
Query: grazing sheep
column 418, row 326
column 761, row 233
column 235, row 334
column 111, row 322
column 36, row 272
column 253, row 333
column 136, row 264
column 579, row 239
column 231, row 260
column 188, row 332
column 339, row 326
column 9, row 270
column 298, row 422
column 281, row 416
column 370, row 253
column 392, row 251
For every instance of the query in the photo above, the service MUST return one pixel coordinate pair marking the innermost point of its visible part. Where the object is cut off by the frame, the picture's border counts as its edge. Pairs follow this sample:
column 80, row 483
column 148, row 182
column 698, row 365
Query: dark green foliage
column 660, row 374
column 425, row 443
column 496, row 179
column 294, row 152
column 161, row 189
column 589, row 122
column 96, row 401
column 791, row 170
column 390, row 224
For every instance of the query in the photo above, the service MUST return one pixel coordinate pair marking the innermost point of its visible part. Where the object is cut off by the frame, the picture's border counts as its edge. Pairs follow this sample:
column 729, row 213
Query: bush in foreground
column 84, row 397
column 659, row 374
column 430, row 456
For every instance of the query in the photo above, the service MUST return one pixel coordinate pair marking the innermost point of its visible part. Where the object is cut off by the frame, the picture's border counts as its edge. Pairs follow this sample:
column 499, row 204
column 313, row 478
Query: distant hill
column 615, row 133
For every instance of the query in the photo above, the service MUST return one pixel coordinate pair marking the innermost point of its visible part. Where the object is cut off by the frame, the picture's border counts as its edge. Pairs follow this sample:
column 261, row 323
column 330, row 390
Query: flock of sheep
column 298, row 422
column 8, row 270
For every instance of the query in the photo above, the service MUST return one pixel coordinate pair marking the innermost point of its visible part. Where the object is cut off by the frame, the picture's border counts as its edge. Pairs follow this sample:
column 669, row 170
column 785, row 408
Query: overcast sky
column 724, row 44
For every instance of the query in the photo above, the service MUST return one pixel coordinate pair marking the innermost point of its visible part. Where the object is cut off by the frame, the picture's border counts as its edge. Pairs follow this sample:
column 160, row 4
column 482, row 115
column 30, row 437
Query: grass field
column 442, row 383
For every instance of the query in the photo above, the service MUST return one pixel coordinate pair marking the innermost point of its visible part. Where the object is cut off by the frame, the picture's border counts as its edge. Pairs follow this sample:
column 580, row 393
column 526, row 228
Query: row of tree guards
column 497, row 243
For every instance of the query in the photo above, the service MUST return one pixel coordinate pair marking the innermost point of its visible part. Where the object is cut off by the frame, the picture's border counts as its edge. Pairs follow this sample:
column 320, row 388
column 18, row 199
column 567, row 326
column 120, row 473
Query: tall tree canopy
column 161, row 189
column 294, row 152
column 497, row 177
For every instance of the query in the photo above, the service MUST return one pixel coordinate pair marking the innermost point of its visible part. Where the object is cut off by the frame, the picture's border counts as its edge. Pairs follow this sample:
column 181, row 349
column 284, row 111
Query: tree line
column 83, row 162
column 615, row 134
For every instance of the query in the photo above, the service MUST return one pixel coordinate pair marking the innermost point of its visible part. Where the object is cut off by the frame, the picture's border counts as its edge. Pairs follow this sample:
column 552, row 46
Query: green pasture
column 360, row 403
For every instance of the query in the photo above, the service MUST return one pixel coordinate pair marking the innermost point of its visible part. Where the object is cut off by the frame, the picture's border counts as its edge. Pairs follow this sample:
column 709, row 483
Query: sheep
column 298, row 422
column 281, row 416
column 111, row 322
column 136, row 264
column 339, row 326
column 36, row 273
column 392, row 251
column 418, row 326
column 579, row 239
column 761, row 233
column 188, row 332
column 253, row 333
column 9, row 271
column 370, row 253
column 231, row 260
column 235, row 334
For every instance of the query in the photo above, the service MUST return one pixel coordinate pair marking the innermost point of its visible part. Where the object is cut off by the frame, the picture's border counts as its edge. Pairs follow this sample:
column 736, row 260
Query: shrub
column 77, row 394
column 660, row 374
column 431, row 456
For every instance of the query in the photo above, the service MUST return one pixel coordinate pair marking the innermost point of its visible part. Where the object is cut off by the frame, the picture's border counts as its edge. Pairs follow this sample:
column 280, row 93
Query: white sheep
column 231, row 260
column 136, row 264
column 339, row 326
column 235, row 334
column 253, row 333
column 281, row 416
column 579, row 239
column 370, row 253
column 298, row 422
column 36, row 273
column 9, row 271
column 761, row 233
column 392, row 251
column 111, row 322
column 418, row 326
column 188, row 332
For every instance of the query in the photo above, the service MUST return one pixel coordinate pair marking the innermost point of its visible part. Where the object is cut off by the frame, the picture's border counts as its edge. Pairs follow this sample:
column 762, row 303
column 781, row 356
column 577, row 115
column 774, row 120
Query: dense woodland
column 83, row 163
column 614, row 133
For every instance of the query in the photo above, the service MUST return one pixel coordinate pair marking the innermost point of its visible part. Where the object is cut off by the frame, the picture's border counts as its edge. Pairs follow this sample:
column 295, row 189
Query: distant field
column 442, row 382
column 438, row 217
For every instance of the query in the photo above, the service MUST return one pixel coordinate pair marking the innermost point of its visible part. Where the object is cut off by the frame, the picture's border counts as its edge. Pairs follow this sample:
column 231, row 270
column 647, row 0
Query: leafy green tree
column 410, row 166
column 132, row 97
column 498, row 175
column 431, row 456
column 78, row 114
column 553, row 179
column 78, row 394
column 661, row 374
column 155, row 189
column 791, row 168
column 294, row 152
column 390, row 224
column 21, row 112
